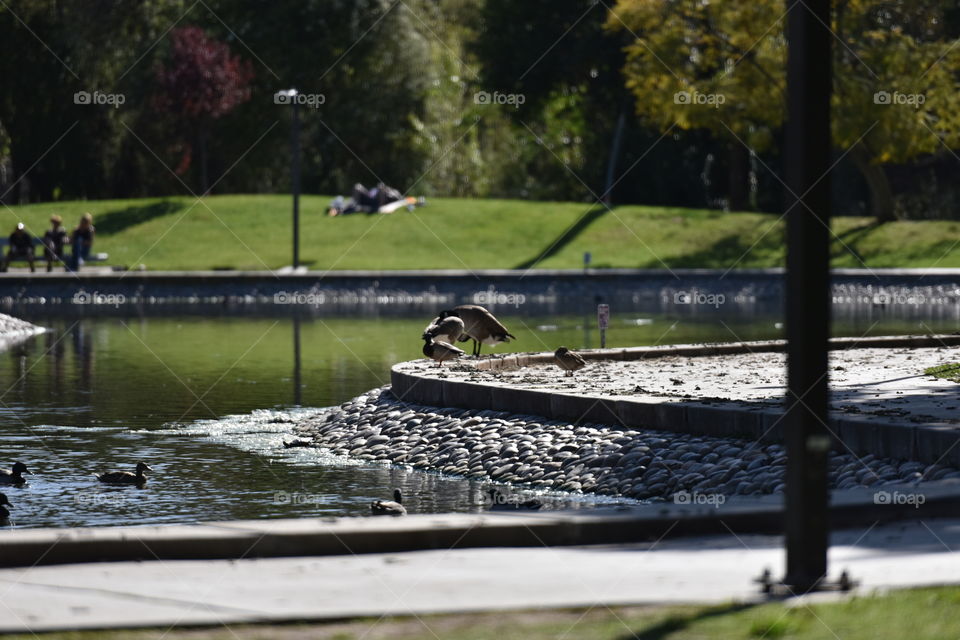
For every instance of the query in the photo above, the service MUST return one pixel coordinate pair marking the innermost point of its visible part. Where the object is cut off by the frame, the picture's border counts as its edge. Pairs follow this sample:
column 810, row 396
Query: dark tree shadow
column 566, row 237
column 675, row 623
column 845, row 242
column 731, row 251
column 113, row 222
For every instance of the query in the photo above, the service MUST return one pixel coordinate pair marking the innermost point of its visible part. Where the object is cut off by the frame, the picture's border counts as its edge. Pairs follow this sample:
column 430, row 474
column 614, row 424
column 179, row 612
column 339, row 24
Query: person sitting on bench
column 53, row 242
column 82, row 241
column 21, row 248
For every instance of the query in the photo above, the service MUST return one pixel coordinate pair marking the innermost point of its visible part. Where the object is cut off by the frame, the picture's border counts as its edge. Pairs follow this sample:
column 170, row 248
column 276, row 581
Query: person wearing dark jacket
column 21, row 247
column 53, row 242
column 82, row 241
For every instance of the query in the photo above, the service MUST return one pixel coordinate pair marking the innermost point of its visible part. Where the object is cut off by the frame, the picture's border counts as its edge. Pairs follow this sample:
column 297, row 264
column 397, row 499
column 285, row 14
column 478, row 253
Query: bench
column 38, row 252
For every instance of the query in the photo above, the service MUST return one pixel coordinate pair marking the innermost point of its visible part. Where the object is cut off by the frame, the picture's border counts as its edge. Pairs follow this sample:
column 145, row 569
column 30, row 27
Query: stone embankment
column 605, row 459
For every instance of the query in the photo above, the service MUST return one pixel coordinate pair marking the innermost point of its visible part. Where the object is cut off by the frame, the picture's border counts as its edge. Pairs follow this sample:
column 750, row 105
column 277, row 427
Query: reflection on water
column 207, row 401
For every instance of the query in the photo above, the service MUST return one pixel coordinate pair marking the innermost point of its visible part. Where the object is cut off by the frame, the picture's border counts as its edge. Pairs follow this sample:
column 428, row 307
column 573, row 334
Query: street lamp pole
column 295, row 177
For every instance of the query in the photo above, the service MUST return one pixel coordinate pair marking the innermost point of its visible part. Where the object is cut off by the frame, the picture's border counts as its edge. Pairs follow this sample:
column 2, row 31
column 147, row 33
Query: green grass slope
column 254, row 232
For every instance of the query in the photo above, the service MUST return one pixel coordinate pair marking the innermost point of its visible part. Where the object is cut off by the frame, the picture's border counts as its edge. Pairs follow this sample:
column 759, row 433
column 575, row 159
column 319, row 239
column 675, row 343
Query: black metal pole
column 297, row 381
column 807, row 152
column 295, row 178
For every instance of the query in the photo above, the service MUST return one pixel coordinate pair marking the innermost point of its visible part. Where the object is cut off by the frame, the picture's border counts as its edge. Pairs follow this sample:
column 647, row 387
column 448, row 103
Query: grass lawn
column 917, row 613
column 946, row 371
column 254, row 232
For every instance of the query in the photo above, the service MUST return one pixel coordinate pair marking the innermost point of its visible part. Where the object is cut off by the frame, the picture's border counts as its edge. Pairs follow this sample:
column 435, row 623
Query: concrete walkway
column 702, row 569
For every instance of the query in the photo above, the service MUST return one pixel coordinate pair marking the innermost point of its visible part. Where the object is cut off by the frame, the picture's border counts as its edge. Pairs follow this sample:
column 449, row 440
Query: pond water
column 207, row 402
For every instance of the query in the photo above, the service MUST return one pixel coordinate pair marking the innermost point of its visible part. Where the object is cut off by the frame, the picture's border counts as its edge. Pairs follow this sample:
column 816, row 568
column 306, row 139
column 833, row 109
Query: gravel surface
column 12, row 330
column 883, row 383
column 605, row 459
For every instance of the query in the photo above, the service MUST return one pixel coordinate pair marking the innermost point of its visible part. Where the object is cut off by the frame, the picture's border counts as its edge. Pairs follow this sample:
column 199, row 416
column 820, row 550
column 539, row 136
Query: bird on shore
column 568, row 360
column 14, row 475
column 440, row 351
column 4, row 512
column 389, row 507
column 446, row 327
column 501, row 502
column 482, row 327
column 126, row 477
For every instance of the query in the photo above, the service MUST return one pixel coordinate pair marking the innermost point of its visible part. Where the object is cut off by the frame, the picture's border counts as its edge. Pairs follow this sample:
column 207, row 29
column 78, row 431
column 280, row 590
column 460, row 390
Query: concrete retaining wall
column 341, row 536
column 929, row 443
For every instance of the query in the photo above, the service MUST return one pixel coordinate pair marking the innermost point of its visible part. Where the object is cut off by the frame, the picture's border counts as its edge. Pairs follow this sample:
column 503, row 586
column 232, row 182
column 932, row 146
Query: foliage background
column 399, row 78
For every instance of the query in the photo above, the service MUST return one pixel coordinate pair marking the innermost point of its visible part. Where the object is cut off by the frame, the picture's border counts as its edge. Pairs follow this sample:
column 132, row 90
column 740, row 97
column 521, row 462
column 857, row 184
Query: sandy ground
column 878, row 382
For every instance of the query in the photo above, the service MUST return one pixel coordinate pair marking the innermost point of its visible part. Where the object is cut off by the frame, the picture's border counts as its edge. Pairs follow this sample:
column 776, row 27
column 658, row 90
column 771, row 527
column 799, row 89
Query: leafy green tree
column 49, row 51
column 720, row 66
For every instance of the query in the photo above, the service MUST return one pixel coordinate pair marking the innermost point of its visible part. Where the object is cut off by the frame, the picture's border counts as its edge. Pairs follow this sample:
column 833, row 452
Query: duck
column 501, row 502
column 481, row 326
column 568, row 360
column 440, row 351
column 126, row 477
column 14, row 475
column 389, row 507
column 447, row 326
column 4, row 512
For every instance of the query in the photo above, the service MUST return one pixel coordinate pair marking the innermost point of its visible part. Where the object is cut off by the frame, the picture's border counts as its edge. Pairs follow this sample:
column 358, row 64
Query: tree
column 201, row 82
column 49, row 51
column 721, row 66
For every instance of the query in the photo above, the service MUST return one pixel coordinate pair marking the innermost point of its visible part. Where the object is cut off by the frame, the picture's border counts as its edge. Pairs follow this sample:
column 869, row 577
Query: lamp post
column 807, row 295
column 291, row 97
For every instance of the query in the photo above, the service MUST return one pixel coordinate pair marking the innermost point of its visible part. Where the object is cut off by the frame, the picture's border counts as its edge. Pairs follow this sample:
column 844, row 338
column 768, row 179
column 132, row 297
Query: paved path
column 701, row 569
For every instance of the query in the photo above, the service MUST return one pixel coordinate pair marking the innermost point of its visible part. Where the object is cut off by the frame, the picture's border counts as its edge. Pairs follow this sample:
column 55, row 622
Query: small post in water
column 603, row 319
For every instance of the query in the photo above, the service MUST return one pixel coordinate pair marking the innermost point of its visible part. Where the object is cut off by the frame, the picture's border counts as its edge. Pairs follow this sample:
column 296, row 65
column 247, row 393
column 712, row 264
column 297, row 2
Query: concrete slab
column 703, row 569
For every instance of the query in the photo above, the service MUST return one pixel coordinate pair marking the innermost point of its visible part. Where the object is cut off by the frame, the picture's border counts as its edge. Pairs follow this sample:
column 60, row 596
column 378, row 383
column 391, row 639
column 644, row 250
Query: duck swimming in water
column 389, row 507
column 14, row 475
column 126, row 477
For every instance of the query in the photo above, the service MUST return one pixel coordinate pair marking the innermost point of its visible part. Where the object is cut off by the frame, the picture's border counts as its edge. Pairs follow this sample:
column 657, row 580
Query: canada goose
column 440, row 351
column 4, row 512
column 568, row 360
column 446, row 327
column 126, row 477
column 481, row 326
column 389, row 507
column 15, row 475
column 500, row 502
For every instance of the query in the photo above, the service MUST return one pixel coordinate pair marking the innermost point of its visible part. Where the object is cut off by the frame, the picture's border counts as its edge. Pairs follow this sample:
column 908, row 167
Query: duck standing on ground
column 14, row 475
column 482, row 327
column 4, row 512
column 389, row 507
column 446, row 327
column 568, row 360
column 440, row 351
column 126, row 477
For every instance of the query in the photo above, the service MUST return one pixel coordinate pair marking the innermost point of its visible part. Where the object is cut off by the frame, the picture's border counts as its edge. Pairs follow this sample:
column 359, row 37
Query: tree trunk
column 204, row 182
column 614, row 156
column 881, row 196
column 737, row 188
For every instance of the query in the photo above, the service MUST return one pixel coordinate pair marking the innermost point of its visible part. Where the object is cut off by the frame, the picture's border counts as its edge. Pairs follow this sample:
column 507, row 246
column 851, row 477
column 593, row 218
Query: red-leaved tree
column 199, row 83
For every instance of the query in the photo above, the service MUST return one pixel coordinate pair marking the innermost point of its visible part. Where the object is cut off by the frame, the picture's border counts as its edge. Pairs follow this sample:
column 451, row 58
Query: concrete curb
column 343, row 536
column 929, row 442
